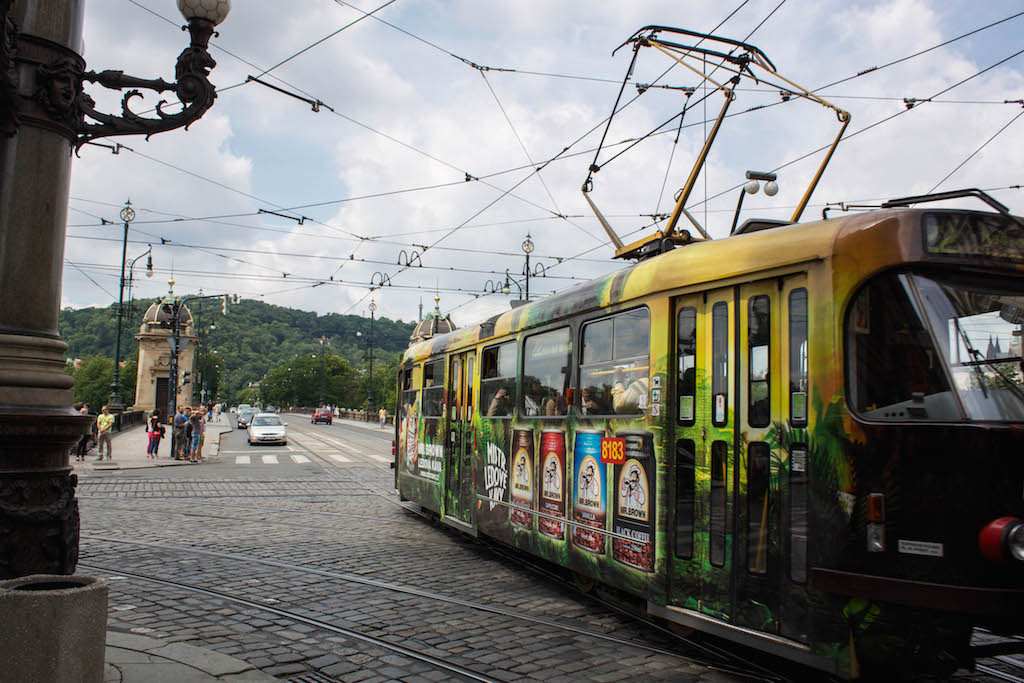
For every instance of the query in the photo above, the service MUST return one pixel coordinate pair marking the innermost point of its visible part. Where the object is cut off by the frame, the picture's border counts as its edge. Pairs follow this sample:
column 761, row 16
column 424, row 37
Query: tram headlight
column 1015, row 542
column 1002, row 539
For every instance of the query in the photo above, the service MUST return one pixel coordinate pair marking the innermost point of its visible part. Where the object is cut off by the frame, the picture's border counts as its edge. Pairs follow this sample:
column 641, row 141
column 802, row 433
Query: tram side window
column 684, row 497
column 614, row 373
column 758, row 337
column 720, row 364
column 758, row 510
column 718, row 483
column 498, row 380
column 798, row 336
column 433, row 389
column 546, row 359
column 408, row 394
column 798, row 513
column 686, row 378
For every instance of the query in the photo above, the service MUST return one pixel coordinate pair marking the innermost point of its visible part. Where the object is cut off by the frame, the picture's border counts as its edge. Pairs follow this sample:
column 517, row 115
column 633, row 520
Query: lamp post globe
column 214, row 11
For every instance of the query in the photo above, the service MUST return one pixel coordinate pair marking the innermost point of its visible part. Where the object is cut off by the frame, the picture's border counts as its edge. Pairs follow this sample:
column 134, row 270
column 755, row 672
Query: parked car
column 242, row 407
column 322, row 415
column 244, row 417
column 271, row 409
column 267, row 428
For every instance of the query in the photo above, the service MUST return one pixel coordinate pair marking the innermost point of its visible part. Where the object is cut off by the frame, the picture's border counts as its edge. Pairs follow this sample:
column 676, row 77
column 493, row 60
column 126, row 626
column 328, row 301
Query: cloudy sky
column 428, row 92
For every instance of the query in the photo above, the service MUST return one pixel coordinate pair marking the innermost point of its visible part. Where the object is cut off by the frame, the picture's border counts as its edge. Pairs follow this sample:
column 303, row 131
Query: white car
column 267, row 428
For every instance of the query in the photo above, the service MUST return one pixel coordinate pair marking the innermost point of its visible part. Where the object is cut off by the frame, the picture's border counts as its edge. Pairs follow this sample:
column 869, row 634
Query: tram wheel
column 585, row 584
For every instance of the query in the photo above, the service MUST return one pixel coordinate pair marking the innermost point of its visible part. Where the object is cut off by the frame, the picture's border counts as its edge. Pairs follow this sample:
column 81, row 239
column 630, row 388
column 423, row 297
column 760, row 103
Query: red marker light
column 1000, row 539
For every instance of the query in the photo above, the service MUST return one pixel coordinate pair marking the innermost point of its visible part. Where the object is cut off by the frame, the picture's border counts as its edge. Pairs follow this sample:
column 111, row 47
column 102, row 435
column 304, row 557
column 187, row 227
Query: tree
column 92, row 381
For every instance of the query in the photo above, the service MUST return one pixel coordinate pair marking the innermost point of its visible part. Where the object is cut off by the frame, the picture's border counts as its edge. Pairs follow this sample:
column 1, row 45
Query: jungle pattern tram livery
column 806, row 438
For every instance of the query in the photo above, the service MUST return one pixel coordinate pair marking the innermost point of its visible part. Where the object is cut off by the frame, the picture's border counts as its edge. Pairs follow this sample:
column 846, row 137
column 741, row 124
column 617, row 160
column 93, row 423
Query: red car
column 322, row 415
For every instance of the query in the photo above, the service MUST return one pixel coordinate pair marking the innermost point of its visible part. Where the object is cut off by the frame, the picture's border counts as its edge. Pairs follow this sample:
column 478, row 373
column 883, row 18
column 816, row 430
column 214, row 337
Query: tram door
column 725, row 536
column 459, row 447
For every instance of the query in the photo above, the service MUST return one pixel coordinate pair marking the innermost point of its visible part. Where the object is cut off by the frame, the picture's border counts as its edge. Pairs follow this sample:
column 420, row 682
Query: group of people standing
column 189, row 427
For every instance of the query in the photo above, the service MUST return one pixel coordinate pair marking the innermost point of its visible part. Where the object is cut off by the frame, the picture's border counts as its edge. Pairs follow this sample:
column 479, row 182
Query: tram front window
column 936, row 349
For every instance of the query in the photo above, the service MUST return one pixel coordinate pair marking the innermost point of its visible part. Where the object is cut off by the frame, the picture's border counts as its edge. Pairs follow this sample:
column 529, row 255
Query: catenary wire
column 972, row 154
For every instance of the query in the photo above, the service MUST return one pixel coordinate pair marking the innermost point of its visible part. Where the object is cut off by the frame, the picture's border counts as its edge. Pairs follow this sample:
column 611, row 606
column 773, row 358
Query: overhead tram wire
column 76, row 267
column 876, row 123
column 529, row 158
column 210, row 250
column 975, row 152
column 539, row 168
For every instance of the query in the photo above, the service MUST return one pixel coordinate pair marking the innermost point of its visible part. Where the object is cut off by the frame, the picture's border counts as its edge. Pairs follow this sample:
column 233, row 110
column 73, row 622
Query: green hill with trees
column 294, row 356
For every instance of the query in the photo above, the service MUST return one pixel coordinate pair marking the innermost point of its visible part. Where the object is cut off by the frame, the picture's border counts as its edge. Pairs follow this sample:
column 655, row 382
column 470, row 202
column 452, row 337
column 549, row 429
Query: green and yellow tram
column 806, row 438
column 791, row 437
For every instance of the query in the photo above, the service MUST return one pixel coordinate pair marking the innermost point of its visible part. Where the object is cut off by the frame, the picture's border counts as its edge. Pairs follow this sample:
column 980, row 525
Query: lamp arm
column 192, row 87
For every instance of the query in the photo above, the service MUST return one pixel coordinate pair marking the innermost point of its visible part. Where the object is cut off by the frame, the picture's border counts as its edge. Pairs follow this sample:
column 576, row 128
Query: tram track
column 714, row 658
column 437, row 662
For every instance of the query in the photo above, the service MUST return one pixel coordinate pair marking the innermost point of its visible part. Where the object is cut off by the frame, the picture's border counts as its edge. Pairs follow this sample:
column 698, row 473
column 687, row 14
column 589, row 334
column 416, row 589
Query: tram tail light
column 875, row 510
column 1002, row 539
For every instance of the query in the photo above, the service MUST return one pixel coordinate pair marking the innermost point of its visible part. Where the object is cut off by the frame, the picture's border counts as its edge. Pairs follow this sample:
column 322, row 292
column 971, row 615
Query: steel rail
column 379, row 642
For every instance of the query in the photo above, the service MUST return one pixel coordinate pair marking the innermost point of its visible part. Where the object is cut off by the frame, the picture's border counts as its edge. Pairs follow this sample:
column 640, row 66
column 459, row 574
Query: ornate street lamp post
column 369, row 347
column 45, row 115
column 114, row 402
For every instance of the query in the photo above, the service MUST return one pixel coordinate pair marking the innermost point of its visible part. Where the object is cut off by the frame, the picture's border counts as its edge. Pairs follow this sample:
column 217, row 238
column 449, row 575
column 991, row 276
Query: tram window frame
column 410, row 393
column 686, row 372
column 759, row 355
column 491, row 385
column 432, row 404
column 799, row 486
column 759, row 476
column 605, row 351
column 556, row 399
column 686, row 491
column 799, row 348
column 720, row 362
column 719, row 495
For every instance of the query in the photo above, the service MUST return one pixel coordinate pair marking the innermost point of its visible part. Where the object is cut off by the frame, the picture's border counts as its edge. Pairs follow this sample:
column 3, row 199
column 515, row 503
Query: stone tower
column 152, row 383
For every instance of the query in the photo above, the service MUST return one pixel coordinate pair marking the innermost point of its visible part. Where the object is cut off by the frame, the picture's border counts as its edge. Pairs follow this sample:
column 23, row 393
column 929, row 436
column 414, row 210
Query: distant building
column 152, row 384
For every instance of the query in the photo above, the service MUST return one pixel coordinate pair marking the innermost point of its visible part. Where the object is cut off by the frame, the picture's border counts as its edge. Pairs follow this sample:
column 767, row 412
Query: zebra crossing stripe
column 378, row 458
column 300, row 458
column 269, row 459
column 339, row 458
column 242, row 460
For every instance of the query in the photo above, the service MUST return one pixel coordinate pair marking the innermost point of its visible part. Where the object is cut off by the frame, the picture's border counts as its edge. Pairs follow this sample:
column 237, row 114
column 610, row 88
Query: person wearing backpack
column 156, row 432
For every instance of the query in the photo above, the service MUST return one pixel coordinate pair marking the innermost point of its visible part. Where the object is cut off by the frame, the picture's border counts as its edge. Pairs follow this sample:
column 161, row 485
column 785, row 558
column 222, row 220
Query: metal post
column 115, row 402
column 369, row 348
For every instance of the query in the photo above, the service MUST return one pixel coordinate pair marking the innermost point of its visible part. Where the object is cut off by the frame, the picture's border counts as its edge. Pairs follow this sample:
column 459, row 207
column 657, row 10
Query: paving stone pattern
column 341, row 522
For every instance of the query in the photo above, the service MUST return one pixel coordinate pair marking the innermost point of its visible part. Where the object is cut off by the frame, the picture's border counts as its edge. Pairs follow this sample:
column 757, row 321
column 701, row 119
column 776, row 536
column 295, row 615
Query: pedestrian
column 179, row 439
column 156, row 432
column 383, row 415
column 204, row 416
column 83, row 444
column 195, row 423
column 104, row 423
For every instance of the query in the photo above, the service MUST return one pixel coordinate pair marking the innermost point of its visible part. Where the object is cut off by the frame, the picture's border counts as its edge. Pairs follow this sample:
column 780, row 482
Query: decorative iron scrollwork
column 192, row 87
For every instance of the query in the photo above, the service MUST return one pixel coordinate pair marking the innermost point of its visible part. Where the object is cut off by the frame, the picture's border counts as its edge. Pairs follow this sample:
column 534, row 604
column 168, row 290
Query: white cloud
column 273, row 147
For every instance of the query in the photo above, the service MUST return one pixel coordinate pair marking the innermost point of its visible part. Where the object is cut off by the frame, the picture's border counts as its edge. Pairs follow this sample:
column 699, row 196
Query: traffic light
column 186, row 376
column 224, row 305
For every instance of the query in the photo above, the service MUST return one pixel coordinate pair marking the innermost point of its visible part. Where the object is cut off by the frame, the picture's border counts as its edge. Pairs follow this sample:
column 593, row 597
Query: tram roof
column 694, row 264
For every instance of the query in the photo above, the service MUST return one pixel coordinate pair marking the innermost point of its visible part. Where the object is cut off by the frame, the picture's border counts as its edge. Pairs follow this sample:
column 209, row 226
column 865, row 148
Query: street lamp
column 369, row 346
column 115, row 402
column 527, row 248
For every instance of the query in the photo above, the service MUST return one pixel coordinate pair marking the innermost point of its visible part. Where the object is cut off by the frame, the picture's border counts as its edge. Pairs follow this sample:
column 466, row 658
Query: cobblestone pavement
column 336, row 575
column 261, row 539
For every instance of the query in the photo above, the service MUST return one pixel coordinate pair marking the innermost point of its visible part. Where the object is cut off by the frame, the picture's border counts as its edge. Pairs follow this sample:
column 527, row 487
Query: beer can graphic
column 521, row 476
column 552, row 482
column 589, row 497
column 634, row 507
